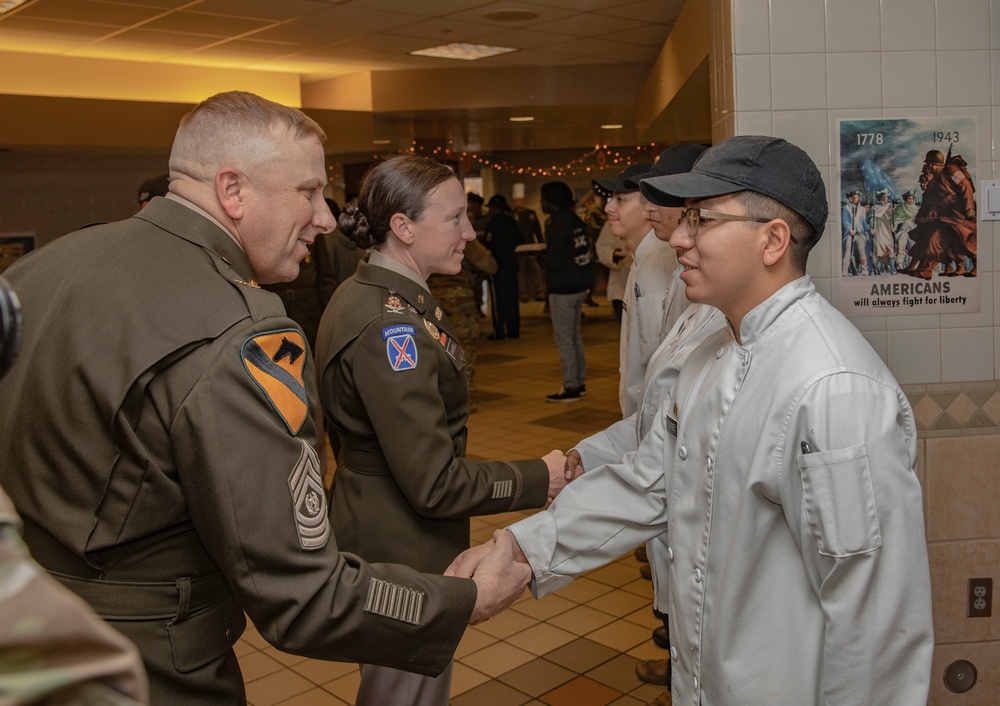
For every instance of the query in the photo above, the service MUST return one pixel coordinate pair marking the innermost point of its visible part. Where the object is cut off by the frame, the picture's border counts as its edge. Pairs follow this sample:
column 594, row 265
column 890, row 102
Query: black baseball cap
column 765, row 165
column 621, row 184
column 675, row 159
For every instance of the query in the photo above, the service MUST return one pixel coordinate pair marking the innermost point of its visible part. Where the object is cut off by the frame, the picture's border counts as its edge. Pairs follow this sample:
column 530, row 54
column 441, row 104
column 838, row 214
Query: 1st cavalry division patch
column 400, row 347
column 275, row 361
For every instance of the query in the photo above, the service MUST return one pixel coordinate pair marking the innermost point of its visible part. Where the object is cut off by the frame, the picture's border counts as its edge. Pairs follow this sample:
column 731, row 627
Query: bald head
column 234, row 129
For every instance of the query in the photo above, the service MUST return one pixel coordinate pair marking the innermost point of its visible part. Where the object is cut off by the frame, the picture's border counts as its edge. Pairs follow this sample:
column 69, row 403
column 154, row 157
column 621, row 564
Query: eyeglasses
column 694, row 217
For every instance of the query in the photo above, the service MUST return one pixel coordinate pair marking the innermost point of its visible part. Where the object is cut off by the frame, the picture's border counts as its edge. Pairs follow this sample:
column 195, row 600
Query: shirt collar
column 762, row 316
column 379, row 260
column 202, row 212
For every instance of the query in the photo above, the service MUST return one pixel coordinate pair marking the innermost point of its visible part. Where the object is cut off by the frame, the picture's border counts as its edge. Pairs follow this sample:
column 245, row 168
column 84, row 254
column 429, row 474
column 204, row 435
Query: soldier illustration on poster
column 908, row 216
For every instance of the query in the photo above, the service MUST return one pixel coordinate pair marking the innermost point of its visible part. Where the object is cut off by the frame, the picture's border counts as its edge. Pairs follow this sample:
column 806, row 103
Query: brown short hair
column 400, row 184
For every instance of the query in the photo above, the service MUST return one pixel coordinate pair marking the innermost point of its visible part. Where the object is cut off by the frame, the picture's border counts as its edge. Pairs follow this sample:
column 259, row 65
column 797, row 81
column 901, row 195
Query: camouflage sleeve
column 62, row 651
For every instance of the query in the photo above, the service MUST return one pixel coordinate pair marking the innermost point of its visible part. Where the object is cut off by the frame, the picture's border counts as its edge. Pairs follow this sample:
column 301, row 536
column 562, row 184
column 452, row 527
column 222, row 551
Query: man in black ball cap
column 783, row 461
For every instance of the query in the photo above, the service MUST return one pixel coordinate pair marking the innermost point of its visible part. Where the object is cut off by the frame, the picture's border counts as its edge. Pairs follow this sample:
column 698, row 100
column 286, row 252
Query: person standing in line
column 646, row 286
column 502, row 237
column 568, row 277
column 783, row 460
column 182, row 492
column 394, row 392
column 612, row 253
column 531, row 278
column 659, row 369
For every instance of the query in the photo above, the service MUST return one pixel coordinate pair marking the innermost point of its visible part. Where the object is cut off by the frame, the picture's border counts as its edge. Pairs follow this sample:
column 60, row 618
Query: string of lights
column 599, row 158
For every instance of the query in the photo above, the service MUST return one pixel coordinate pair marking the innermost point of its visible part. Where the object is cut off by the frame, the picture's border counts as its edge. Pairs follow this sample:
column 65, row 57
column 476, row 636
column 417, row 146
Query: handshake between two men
column 499, row 567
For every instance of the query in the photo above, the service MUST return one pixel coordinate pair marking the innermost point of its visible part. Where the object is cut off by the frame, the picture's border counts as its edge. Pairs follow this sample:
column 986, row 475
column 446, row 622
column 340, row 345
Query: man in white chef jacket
column 783, row 459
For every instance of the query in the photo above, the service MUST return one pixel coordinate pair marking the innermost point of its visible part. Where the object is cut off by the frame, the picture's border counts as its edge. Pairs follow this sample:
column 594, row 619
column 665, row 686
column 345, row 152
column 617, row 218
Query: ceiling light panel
column 462, row 51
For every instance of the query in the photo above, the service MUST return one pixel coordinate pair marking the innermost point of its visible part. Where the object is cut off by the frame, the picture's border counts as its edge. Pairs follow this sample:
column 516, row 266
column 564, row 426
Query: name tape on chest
column 275, row 361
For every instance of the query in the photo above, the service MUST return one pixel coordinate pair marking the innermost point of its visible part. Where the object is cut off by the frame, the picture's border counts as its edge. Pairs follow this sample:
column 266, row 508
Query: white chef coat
column 786, row 469
column 643, row 320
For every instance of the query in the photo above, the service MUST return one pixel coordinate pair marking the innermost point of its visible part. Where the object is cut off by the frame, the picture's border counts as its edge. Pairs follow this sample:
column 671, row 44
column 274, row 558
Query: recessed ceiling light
column 381, row 142
column 521, row 118
column 511, row 15
column 612, row 126
column 464, row 52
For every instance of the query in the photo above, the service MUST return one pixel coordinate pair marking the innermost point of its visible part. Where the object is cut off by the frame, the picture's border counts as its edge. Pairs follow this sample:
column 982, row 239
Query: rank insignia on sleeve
column 400, row 347
column 275, row 361
column 309, row 500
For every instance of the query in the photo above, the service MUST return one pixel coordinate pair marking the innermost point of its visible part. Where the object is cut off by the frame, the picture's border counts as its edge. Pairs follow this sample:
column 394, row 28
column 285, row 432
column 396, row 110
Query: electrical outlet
column 980, row 598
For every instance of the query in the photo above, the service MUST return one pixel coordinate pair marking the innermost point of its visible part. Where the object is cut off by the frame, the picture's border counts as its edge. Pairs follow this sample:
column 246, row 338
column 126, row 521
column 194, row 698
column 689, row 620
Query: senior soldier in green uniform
column 158, row 429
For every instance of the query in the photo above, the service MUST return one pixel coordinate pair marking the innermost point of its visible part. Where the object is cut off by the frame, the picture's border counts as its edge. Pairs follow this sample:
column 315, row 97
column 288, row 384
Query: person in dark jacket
column 502, row 238
column 569, row 273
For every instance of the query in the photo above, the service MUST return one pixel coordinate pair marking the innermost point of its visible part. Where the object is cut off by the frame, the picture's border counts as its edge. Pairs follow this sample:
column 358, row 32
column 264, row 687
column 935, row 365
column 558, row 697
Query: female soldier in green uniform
column 394, row 392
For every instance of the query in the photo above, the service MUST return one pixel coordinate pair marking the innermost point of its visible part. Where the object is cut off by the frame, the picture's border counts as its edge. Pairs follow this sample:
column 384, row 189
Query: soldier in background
column 152, row 187
column 457, row 296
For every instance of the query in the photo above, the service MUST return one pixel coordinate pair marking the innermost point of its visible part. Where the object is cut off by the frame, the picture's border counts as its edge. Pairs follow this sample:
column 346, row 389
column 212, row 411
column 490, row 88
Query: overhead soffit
column 584, row 56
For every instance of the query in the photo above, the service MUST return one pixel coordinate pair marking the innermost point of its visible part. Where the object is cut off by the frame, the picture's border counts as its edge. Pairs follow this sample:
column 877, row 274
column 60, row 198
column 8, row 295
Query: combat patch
column 309, row 500
column 400, row 346
column 275, row 360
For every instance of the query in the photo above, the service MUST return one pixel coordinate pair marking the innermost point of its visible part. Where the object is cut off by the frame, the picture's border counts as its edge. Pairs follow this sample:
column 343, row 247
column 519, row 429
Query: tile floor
column 576, row 647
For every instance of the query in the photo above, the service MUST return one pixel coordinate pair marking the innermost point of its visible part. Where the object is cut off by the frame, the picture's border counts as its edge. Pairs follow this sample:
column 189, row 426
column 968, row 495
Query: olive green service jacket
column 157, row 436
column 394, row 391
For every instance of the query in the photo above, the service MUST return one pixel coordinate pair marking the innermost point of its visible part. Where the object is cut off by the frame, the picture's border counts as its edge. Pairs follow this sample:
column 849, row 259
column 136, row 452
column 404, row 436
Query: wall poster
column 908, row 216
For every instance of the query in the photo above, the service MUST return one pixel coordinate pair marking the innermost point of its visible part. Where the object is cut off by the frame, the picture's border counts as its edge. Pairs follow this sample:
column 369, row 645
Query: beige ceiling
column 579, row 64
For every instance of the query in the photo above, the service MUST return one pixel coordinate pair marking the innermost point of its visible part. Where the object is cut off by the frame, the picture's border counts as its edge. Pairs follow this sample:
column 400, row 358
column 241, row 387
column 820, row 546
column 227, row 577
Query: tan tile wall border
column 955, row 409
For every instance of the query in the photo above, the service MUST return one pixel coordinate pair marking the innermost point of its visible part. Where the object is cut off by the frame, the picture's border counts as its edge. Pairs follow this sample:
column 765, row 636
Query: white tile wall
column 755, row 123
column 833, row 59
column 855, row 80
column 798, row 81
column 807, row 129
column 798, row 26
column 963, row 77
column 753, row 82
column 853, row 26
column 915, row 356
column 909, row 79
column 966, row 354
column 906, row 24
column 751, row 27
column 963, row 24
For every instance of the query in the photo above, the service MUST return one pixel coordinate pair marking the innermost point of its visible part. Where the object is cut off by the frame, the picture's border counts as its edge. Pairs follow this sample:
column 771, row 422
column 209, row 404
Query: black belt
column 371, row 461
column 133, row 600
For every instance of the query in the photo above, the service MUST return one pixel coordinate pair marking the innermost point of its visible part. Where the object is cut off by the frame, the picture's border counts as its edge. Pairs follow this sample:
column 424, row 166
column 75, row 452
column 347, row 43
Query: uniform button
column 682, row 453
column 718, row 353
column 697, row 575
column 711, row 465
column 673, row 653
column 670, row 555
column 696, row 683
column 229, row 634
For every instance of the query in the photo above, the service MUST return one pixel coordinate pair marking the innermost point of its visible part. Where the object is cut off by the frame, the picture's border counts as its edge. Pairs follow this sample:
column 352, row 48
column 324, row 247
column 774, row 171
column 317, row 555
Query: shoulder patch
column 275, row 361
column 400, row 347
